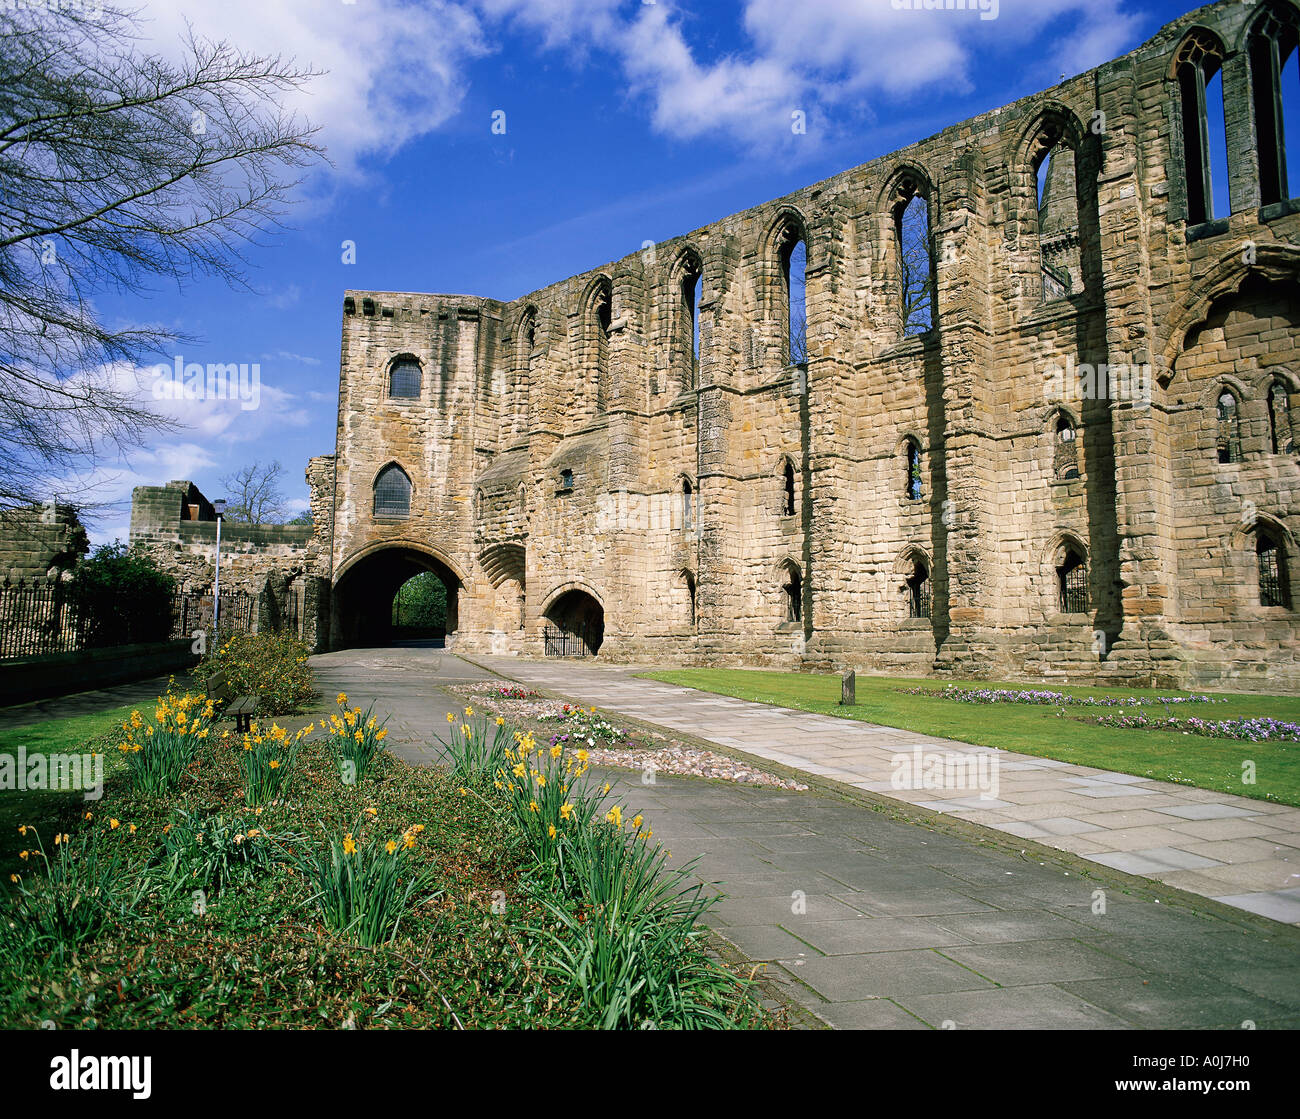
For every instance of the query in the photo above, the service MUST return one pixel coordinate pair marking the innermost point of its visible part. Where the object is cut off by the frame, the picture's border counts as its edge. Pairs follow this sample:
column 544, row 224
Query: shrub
column 266, row 762
column 364, row 890
column 81, row 890
column 159, row 749
column 357, row 738
column 271, row 666
column 122, row 597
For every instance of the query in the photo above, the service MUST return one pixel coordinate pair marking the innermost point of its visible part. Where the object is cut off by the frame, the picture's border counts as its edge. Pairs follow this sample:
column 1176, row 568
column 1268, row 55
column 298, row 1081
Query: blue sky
column 624, row 121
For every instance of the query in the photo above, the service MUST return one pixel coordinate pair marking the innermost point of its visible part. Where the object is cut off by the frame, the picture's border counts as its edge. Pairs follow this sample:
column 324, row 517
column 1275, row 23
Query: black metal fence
column 38, row 616
column 582, row 642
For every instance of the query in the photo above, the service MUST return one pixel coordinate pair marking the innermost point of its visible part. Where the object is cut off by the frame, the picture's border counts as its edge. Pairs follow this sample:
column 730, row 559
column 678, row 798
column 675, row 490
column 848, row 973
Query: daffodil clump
column 267, row 759
column 548, row 792
column 476, row 744
column 365, row 886
column 73, row 892
column 357, row 738
column 160, row 744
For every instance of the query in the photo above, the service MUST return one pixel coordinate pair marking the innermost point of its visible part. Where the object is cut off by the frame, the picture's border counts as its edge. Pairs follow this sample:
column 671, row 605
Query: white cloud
column 395, row 69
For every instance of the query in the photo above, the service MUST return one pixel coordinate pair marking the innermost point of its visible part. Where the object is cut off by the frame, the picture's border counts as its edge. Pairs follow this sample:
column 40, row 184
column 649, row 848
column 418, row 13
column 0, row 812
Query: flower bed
column 1244, row 730
column 1052, row 699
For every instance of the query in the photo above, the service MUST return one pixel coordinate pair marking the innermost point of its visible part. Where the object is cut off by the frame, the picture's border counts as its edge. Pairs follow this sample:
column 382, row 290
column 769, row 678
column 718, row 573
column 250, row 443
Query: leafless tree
column 254, row 495
column 117, row 169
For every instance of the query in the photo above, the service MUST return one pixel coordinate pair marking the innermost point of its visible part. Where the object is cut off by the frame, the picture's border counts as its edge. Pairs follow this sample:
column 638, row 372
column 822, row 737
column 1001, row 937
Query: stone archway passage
column 575, row 626
column 362, row 603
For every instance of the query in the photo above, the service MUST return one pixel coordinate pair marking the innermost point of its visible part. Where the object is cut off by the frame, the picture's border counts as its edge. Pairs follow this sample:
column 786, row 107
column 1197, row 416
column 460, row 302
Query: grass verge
column 1042, row 731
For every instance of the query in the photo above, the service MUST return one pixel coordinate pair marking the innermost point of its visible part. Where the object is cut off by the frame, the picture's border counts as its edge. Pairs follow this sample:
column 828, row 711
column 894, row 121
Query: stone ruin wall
column 515, row 393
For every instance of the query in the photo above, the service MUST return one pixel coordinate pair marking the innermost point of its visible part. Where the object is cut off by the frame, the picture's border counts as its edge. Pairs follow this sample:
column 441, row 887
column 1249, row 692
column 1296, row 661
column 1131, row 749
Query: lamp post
column 218, row 507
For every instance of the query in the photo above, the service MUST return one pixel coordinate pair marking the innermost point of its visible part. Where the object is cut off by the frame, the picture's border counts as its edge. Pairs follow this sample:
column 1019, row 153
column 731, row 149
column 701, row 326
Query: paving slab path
column 867, row 921
column 1239, row 851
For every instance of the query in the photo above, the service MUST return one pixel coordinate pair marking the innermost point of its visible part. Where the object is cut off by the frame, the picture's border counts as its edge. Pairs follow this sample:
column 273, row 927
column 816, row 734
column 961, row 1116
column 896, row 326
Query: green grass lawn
column 1210, row 763
column 45, row 810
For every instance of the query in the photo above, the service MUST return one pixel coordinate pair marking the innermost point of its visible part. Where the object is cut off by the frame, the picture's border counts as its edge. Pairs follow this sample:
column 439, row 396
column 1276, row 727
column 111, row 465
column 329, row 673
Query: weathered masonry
column 1039, row 419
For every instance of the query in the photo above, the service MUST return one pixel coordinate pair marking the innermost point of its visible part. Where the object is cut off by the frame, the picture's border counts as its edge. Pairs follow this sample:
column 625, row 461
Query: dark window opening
column 688, row 506
column 1273, row 590
column 1072, row 583
column 690, row 596
column 566, row 479
column 1065, row 462
column 1229, row 429
column 1279, row 418
column 404, row 379
column 792, row 590
column 912, row 483
column 787, row 501
column 1271, row 47
column 392, row 493
column 918, row 591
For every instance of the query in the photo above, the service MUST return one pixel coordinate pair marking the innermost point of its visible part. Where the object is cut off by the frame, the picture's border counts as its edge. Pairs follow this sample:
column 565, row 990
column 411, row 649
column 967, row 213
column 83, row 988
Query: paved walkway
column 1239, row 851
column 873, row 922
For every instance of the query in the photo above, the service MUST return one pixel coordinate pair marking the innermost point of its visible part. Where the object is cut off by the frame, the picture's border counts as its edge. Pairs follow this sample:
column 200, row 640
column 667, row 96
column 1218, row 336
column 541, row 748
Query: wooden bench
column 241, row 708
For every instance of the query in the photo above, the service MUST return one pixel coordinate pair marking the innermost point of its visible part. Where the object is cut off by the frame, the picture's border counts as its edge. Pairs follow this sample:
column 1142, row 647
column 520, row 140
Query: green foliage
column 271, row 666
column 421, row 603
column 122, row 597
column 214, row 851
column 81, row 890
column 477, row 748
column 266, row 760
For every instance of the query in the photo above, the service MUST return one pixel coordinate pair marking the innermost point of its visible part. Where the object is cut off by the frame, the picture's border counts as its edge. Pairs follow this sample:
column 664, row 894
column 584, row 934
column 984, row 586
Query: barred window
column 1229, row 435
column 1072, row 583
column 1273, row 590
column 918, row 591
column 404, row 379
column 392, row 492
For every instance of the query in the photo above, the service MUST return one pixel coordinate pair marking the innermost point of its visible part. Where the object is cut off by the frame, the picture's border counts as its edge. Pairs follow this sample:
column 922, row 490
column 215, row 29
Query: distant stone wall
column 38, row 539
column 177, row 526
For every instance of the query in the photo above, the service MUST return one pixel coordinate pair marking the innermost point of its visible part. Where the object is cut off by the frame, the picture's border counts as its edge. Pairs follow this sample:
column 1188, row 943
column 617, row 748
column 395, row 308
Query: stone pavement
column 1239, row 851
column 868, row 921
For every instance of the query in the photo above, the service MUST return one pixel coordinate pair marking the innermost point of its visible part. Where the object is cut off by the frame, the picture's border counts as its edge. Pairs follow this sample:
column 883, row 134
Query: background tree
column 254, row 496
column 122, row 596
column 421, row 604
column 117, row 168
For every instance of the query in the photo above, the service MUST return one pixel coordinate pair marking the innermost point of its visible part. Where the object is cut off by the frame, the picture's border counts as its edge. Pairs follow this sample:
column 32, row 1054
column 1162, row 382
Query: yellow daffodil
column 349, row 845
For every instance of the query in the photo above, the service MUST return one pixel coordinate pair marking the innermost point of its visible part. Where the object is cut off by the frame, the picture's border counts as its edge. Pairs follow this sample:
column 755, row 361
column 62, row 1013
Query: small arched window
column 912, row 488
column 1228, row 440
column 1200, row 96
column 794, row 269
column 691, row 295
column 1271, row 558
column 478, row 505
column 1072, row 582
column 787, row 489
column 404, row 377
column 918, row 590
column 393, row 492
column 1279, row 418
column 602, row 310
column 1065, row 453
column 792, row 592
